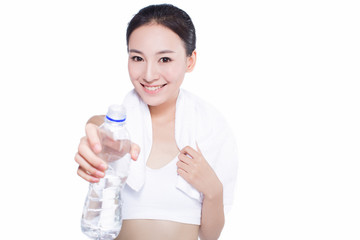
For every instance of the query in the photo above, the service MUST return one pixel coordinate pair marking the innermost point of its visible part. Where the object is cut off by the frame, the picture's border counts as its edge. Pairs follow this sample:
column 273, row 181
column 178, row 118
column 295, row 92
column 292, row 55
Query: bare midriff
column 146, row 229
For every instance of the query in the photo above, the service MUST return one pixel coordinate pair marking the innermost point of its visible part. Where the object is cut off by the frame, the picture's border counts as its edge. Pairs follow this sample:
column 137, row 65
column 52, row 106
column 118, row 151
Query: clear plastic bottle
column 101, row 218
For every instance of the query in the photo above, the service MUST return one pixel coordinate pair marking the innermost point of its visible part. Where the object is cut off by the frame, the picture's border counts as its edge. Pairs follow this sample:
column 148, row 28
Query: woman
column 189, row 164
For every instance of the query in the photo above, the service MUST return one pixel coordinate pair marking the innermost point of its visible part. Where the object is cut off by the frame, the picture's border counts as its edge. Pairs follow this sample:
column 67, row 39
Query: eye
column 165, row 59
column 137, row 59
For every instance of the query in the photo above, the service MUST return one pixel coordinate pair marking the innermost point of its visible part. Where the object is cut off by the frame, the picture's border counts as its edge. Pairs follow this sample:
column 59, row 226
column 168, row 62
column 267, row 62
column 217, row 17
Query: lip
column 153, row 89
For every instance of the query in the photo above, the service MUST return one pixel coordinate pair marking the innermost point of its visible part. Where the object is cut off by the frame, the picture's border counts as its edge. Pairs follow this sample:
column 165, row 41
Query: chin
column 153, row 102
column 150, row 100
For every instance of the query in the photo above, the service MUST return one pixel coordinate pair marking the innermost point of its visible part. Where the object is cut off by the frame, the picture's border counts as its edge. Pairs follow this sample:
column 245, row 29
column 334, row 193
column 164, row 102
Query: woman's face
column 157, row 63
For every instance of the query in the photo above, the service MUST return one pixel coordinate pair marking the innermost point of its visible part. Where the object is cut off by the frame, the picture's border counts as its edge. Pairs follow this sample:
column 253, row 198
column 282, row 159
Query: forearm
column 97, row 120
column 212, row 217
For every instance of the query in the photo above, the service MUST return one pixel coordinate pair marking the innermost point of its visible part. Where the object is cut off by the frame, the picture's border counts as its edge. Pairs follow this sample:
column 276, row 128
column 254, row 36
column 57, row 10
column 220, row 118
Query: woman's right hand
column 91, row 167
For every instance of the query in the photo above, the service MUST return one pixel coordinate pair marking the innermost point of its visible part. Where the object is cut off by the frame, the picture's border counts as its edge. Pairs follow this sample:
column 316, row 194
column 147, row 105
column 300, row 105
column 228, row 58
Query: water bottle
column 101, row 218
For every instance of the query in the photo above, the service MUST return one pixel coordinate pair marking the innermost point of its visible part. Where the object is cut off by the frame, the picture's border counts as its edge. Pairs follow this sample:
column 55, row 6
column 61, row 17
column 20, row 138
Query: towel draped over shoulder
column 196, row 123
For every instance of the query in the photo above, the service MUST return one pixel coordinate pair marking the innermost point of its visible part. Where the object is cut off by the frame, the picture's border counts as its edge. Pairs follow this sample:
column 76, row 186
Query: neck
column 165, row 111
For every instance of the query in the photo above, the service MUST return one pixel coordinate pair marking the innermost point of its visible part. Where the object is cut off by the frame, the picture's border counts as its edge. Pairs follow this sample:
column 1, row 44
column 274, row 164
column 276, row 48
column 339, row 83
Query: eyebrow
column 160, row 52
column 135, row 51
column 165, row 51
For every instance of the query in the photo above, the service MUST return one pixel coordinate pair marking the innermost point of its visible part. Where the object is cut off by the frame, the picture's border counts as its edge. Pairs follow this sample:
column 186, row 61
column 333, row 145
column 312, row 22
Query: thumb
column 135, row 150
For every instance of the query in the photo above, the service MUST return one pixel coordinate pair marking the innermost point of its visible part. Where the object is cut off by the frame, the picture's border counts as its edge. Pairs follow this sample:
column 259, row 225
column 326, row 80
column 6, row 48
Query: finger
column 190, row 151
column 135, row 150
column 86, row 176
column 83, row 164
column 183, row 157
column 86, row 153
column 185, row 167
column 93, row 137
column 182, row 173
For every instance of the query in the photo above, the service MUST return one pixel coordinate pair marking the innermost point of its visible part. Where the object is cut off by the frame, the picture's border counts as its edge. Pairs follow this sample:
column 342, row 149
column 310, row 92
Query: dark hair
column 169, row 16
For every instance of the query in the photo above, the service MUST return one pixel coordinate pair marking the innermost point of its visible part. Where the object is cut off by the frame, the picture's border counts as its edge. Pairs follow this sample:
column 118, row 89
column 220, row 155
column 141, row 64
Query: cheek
column 134, row 71
column 174, row 73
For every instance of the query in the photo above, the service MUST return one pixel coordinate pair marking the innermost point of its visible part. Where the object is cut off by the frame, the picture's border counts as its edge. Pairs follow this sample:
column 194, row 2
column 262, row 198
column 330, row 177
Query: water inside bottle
column 101, row 215
column 102, row 210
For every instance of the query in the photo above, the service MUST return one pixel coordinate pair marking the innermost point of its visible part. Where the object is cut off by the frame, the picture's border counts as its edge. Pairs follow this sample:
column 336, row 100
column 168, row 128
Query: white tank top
column 160, row 199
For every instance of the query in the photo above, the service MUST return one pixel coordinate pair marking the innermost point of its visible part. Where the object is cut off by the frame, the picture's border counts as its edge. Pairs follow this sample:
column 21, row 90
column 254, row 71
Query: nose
column 151, row 73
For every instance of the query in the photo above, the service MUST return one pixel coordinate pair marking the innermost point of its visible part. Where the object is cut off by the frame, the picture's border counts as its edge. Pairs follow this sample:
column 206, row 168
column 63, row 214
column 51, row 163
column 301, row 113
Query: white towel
column 196, row 123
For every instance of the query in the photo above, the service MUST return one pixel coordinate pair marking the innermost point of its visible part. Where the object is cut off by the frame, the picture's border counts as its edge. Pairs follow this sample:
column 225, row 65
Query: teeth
column 152, row 88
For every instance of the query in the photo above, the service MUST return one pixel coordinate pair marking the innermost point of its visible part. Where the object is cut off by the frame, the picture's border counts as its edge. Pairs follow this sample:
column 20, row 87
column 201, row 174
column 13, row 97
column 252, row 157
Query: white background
column 284, row 73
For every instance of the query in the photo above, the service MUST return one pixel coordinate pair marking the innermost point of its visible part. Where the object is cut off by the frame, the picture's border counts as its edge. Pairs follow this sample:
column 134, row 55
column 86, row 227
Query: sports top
column 160, row 199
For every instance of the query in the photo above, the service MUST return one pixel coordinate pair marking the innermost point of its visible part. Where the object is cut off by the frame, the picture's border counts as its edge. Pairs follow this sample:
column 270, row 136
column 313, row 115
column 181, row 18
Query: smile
column 152, row 89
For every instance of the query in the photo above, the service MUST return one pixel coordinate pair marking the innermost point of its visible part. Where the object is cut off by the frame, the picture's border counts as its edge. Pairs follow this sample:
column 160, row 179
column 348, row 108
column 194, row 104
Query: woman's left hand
column 194, row 168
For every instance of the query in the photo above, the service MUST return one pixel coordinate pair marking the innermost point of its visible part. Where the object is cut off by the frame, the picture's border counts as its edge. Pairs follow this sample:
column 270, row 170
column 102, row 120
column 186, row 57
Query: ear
column 191, row 61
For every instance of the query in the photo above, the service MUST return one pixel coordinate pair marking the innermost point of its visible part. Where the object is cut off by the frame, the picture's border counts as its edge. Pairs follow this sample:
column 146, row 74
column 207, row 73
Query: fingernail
column 94, row 180
column 100, row 174
column 134, row 154
column 103, row 166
